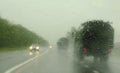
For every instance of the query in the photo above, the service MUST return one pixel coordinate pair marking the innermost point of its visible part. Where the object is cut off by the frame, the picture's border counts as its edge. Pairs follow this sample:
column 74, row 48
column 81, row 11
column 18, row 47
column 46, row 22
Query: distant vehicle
column 63, row 43
column 34, row 49
column 96, row 39
column 50, row 46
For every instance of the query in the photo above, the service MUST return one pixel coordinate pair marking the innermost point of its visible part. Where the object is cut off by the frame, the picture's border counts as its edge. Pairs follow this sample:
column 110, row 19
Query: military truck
column 63, row 43
column 95, row 38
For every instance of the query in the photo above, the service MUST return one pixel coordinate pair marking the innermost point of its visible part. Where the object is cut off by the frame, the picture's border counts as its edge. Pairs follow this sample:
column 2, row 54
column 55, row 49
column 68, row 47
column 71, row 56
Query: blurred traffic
column 34, row 50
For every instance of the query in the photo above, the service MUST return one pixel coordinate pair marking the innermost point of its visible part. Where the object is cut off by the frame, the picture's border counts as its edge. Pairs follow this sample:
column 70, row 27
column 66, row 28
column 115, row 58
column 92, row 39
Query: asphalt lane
column 53, row 61
column 63, row 61
column 11, row 58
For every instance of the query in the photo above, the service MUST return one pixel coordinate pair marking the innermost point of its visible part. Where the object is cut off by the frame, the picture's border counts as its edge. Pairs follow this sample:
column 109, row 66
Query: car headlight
column 50, row 46
column 37, row 47
column 30, row 47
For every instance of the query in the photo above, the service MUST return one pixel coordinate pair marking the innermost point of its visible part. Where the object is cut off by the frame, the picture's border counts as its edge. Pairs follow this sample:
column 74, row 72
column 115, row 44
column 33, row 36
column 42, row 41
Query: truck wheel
column 96, row 59
column 104, row 58
column 81, row 57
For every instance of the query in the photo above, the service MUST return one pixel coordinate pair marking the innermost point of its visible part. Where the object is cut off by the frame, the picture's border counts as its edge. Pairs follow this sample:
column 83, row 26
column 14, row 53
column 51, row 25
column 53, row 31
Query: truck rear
column 96, row 39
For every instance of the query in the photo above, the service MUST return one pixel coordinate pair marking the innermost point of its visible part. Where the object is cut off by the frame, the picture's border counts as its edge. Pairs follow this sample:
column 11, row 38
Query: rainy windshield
column 65, row 36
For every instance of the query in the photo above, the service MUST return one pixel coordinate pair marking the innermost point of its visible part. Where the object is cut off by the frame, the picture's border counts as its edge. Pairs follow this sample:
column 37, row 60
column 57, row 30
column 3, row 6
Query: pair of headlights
column 31, row 47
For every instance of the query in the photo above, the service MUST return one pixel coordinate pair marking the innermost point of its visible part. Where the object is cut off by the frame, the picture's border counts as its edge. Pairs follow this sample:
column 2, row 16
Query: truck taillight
column 84, row 49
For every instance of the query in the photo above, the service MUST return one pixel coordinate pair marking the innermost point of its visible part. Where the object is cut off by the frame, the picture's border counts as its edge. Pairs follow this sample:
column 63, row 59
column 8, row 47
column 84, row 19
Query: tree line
column 15, row 35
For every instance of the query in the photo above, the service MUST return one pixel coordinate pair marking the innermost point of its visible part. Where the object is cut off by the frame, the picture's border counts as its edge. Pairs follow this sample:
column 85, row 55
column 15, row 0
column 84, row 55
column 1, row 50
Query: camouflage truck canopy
column 97, row 34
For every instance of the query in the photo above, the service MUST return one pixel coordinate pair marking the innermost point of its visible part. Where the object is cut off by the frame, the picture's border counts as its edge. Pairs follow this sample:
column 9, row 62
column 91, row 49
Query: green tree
column 15, row 35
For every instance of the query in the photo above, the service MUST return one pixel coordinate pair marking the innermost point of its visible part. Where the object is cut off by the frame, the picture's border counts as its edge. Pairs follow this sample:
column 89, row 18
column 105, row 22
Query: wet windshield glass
column 65, row 36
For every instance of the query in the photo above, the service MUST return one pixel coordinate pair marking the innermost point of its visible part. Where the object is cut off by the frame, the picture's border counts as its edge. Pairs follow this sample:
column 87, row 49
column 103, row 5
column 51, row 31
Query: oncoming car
column 34, row 49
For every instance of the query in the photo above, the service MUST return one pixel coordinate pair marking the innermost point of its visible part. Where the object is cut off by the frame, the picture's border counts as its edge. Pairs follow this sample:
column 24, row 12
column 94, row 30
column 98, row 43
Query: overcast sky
column 52, row 19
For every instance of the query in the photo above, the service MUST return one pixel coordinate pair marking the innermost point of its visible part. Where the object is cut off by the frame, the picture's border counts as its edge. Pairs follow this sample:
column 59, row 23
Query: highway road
column 55, row 61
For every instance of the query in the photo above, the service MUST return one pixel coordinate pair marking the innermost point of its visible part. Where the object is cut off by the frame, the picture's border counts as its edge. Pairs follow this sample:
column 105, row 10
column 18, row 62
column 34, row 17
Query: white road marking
column 23, row 63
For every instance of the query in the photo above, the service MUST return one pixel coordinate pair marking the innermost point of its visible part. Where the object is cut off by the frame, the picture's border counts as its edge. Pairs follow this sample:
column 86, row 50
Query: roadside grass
column 13, row 49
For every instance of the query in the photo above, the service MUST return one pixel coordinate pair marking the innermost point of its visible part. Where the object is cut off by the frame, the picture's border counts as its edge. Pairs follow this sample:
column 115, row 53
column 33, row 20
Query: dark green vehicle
column 96, row 39
column 63, row 43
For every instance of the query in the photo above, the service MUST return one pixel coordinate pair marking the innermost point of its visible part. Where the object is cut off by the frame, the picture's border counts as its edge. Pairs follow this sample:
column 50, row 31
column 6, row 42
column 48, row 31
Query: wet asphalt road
column 63, row 61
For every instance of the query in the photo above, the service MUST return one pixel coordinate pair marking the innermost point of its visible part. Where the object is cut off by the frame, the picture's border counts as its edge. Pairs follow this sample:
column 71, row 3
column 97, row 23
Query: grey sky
column 53, row 18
